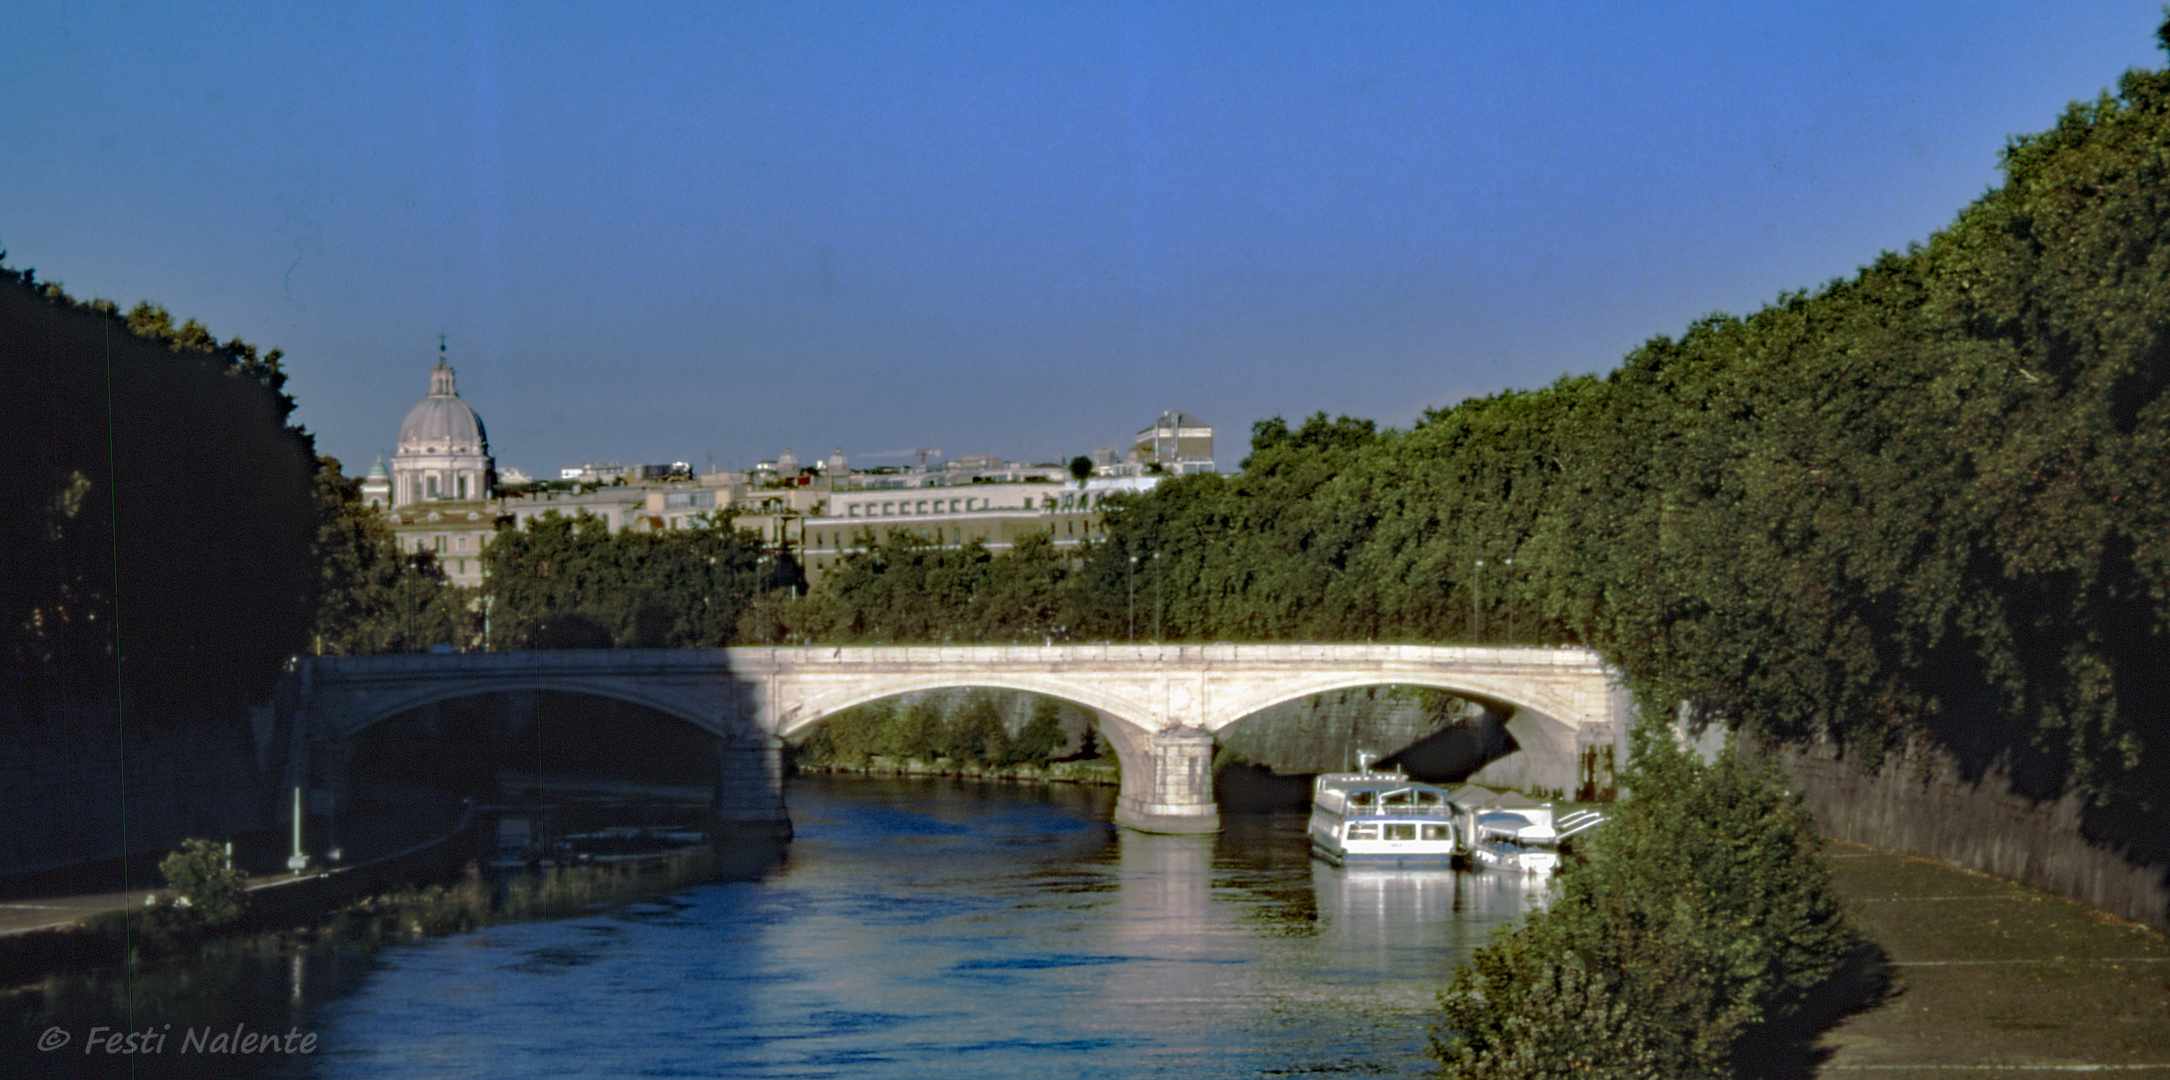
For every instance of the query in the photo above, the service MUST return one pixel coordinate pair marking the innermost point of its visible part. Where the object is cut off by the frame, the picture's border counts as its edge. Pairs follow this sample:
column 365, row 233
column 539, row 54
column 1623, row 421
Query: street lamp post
column 1476, row 605
column 1130, row 576
column 1156, row 596
column 1509, row 563
column 297, row 862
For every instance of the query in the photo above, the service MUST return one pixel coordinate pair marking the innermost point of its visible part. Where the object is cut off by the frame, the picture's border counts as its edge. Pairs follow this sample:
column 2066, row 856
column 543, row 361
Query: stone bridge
column 1158, row 706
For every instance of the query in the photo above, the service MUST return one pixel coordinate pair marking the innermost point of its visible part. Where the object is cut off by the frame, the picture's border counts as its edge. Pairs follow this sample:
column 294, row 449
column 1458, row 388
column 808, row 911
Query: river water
column 916, row 928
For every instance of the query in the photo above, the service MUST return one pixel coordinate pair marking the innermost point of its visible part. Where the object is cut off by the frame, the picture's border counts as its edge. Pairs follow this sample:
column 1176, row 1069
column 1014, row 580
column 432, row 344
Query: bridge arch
column 815, row 709
column 342, row 698
column 1539, row 722
column 1130, row 738
column 381, row 708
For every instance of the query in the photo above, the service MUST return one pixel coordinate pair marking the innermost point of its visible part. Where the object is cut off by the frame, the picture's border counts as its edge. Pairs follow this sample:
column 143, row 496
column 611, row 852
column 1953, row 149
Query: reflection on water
column 920, row 928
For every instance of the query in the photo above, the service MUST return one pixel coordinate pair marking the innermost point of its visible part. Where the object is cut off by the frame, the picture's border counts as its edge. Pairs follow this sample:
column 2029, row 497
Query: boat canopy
column 1503, row 823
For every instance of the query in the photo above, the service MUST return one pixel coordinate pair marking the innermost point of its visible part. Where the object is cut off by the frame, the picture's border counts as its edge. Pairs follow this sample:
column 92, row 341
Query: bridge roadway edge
column 1160, row 705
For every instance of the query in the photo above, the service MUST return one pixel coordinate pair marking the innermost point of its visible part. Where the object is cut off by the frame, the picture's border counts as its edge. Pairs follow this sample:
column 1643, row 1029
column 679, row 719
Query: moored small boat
column 1515, row 841
column 1515, row 834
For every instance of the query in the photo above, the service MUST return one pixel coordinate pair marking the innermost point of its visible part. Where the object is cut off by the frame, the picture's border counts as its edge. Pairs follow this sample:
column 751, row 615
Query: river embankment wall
column 81, row 783
column 1921, row 802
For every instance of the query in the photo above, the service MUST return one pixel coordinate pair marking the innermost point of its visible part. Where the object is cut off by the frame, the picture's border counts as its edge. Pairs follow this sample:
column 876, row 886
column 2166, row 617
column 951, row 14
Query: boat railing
column 1577, row 822
column 1399, row 811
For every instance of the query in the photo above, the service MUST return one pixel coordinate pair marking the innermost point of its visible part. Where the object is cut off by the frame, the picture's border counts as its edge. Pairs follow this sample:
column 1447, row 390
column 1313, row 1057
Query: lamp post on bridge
column 1155, row 557
column 1130, row 577
column 1509, row 563
column 1476, row 606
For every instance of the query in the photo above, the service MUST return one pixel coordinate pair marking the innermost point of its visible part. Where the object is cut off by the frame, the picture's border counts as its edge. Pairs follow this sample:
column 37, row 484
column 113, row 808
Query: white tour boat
column 1377, row 818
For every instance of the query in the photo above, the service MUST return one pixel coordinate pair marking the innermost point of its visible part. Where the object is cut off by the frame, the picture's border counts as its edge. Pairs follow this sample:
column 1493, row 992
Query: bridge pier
column 1173, row 790
column 749, row 799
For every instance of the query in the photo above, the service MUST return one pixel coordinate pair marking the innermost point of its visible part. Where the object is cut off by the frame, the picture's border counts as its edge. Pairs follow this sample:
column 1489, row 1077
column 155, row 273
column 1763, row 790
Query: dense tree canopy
column 569, row 581
column 373, row 598
column 155, row 506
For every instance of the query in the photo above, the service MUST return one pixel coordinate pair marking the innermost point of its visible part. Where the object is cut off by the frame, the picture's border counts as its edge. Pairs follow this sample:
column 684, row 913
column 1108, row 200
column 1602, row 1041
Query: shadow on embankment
column 1784, row 1048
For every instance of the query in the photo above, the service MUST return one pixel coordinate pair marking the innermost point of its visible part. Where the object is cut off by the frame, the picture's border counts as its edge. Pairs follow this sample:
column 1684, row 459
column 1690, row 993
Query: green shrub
column 1702, row 909
column 205, row 884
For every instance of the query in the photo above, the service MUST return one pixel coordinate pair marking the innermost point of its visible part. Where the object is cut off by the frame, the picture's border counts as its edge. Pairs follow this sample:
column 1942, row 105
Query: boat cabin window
column 1435, row 832
column 1401, row 832
column 1360, row 798
column 1363, row 832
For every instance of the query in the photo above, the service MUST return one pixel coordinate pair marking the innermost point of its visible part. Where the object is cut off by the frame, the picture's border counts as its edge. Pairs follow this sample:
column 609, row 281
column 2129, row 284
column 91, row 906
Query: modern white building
column 1177, row 442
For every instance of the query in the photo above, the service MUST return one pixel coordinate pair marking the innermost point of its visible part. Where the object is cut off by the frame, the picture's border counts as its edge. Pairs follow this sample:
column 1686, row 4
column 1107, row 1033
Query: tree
column 665, row 589
column 207, row 886
column 114, row 593
column 1042, row 735
column 360, row 567
column 1705, row 907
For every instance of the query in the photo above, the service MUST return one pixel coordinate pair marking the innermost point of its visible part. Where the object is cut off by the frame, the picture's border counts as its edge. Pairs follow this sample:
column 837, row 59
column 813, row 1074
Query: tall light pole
column 1156, row 597
column 1130, row 575
column 297, row 862
column 1509, row 563
column 1476, row 605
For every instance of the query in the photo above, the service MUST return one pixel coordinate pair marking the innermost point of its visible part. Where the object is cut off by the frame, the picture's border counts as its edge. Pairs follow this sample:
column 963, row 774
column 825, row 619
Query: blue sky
column 706, row 232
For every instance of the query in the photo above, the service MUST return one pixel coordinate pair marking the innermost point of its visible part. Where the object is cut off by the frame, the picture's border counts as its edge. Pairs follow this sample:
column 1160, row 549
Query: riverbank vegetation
column 1701, row 910
column 113, row 597
column 967, row 736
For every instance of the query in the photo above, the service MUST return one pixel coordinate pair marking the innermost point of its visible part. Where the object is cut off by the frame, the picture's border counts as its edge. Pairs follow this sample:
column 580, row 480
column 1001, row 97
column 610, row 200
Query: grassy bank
column 1089, row 771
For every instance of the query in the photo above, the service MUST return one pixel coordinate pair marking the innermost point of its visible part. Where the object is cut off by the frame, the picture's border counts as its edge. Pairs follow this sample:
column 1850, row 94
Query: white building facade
column 443, row 453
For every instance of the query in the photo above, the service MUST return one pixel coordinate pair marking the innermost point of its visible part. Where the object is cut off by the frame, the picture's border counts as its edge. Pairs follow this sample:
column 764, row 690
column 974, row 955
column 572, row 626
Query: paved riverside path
column 1992, row 979
column 24, row 914
column 48, row 912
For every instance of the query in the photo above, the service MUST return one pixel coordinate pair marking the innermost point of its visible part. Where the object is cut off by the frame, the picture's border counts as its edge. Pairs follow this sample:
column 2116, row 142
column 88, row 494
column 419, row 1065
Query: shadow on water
column 240, row 1006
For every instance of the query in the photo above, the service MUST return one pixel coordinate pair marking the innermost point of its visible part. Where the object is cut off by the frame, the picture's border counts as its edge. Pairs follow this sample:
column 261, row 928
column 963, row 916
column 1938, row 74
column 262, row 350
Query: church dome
column 441, row 423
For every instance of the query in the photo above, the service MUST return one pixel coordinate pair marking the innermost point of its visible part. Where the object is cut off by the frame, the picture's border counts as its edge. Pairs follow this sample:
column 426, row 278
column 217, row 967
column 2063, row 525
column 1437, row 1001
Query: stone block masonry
column 1922, row 804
